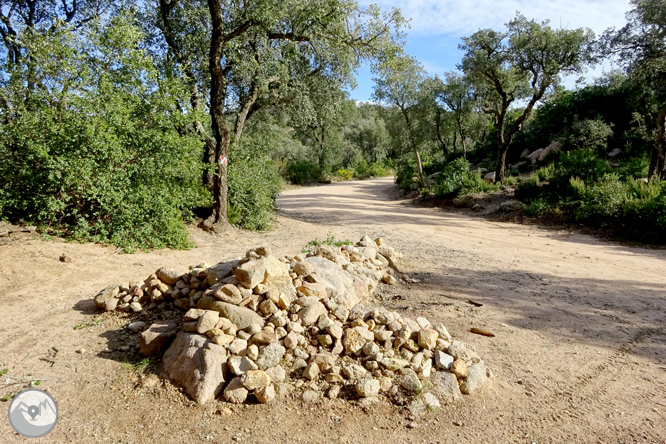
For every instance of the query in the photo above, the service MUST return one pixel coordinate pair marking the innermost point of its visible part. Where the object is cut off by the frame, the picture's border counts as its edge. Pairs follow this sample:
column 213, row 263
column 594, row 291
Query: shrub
column 603, row 199
column 591, row 134
column 457, row 180
column 581, row 163
column 302, row 171
column 253, row 188
column 345, row 174
column 537, row 207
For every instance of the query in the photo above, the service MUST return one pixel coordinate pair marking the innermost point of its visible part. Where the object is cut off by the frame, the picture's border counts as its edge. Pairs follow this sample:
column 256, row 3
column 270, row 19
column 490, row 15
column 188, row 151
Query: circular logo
column 33, row 413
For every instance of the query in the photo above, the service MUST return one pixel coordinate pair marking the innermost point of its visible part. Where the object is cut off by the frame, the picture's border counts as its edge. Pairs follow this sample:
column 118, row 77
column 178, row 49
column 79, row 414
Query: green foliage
column 363, row 170
column 591, row 134
column 583, row 163
column 330, row 240
column 537, row 207
column 99, row 154
column 457, row 180
column 95, row 322
column 253, row 188
column 301, row 172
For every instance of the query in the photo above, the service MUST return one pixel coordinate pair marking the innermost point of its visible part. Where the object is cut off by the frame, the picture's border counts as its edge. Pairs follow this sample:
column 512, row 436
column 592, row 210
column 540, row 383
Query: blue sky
column 438, row 25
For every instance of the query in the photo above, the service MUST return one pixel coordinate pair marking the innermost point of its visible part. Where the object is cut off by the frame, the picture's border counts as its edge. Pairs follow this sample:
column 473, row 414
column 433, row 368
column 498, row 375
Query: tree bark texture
column 658, row 151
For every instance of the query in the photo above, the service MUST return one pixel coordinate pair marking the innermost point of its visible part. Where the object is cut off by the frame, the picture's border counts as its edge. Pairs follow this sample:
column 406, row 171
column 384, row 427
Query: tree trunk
column 445, row 151
column 415, row 149
column 501, row 162
column 221, row 131
column 658, row 151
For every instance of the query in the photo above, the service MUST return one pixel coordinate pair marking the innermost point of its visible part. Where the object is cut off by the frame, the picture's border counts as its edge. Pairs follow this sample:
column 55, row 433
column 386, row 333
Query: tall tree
column 641, row 45
column 333, row 36
column 457, row 94
column 520, row 64
column 398, row 84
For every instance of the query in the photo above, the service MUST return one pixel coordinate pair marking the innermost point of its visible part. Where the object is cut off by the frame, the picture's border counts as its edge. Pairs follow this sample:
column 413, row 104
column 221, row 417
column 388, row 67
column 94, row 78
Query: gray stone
column 277, row 373
column 235, row 393
column 157, row 338
column 242, row 317
column 197, row 365
column 168, row 276
column 348, row 290
column 428, row 338
column 229, row 293
column 443, row 360
column 217, row 273
column 109, row 292
column 354, row 371
column 431, row 401
column 311, row 396
column 443, row 332
column 360, row 312
column 409, row 381
column 394, row 364
column 445, row 386
column 460, row 351
column 136, row 326
column 270, row 356
column 367, row 387
column 239, row 365
column 475, row 378
column 309, row 315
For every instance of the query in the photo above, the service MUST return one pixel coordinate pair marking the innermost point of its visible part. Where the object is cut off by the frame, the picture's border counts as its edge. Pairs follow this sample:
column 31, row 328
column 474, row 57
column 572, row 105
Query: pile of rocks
column 265, row 326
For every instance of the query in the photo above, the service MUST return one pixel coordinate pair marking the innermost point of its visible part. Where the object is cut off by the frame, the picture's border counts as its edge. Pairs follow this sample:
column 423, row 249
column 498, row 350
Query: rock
column 360, row 312
column 240, row 316
column 168, row 276
column 136, row 326
column 511, row 205
column 310, row 314
column 426, row 369
column 354, row 371
column 303, row 268
column 270, row 356
column 255, row 379
column 251, row 273
column 110, row 304
column 136, row 307
column 443, row 332
column 476, row 376
column 443, row 361
column 554, row 147
column 311, row 396
column 193, row 314
column 217, row 273
column 227, row 326
column 367, row 387
column 489, row 177
column 410, row 381
column 325, row 361
column 428, row 338
column 431, row 402
column 335, row 330
column 265, row 394
column 333, row 392
column 353, row 341
column 196, row 364
column 276, row 272
column 239, row 365
column 616, row 152
column 265, row 336
column 347, row 288
column 277, row 373
column 229, row 293
column 460, row 351
column 445, row 386
column 219, row 337
column 207, row 321
column 311, row 371
column 268, row 308
column 237, row 346
column 253, row 352
column 291, row 340
column 157, row 338
column 235, row 393
column 394, row 364
column 64, row 258
column 325, row 340
column 109, row 292
column 183, row 303
column 459, row 368
column 371, row 350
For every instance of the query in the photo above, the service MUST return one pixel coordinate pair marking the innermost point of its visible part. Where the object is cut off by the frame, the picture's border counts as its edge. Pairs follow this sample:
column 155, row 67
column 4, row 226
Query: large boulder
column 349, row 289
column 197, row 365
column 241, row 317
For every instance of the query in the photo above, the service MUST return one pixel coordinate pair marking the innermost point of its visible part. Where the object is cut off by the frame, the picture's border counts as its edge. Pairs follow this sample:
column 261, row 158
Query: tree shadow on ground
column 616, row 314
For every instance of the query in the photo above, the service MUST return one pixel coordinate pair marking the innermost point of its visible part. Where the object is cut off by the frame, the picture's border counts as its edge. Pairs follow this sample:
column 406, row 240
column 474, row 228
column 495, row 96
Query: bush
column 253, row 188
column 363, row 170
column 591, row 134
column 603, row 199
column 457, row 180
column 302, row 172
column 345, row 174
column 117, row 163
column 582, row 163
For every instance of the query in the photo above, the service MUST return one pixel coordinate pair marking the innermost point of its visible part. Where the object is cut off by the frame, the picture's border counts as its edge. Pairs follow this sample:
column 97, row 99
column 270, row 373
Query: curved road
column 580, row 351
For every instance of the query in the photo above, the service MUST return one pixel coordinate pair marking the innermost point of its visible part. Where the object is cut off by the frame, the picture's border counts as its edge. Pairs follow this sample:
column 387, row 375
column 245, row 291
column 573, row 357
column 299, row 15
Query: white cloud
column 463, row 17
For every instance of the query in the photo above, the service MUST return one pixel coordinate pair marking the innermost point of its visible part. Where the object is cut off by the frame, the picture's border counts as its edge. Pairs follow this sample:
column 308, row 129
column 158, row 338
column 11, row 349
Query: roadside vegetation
column 117, row 126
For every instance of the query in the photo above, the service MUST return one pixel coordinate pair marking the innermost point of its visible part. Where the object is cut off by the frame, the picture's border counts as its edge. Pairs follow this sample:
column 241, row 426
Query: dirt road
column 579, row 353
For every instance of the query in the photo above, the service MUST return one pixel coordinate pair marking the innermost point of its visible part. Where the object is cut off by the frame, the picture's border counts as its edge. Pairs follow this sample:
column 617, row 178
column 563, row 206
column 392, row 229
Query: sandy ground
column 579, row 353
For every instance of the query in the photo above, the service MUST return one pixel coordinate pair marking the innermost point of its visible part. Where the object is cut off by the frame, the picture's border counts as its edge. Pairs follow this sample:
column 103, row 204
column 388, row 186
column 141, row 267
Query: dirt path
column 579, row 353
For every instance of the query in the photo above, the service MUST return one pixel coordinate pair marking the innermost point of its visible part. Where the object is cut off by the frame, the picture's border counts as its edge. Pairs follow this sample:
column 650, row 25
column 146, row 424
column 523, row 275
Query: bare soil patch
column 579, row 351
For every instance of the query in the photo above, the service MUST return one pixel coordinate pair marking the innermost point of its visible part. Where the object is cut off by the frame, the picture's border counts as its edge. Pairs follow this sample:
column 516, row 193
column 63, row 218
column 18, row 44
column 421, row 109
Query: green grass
column 83, row 325
column 330, row 240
